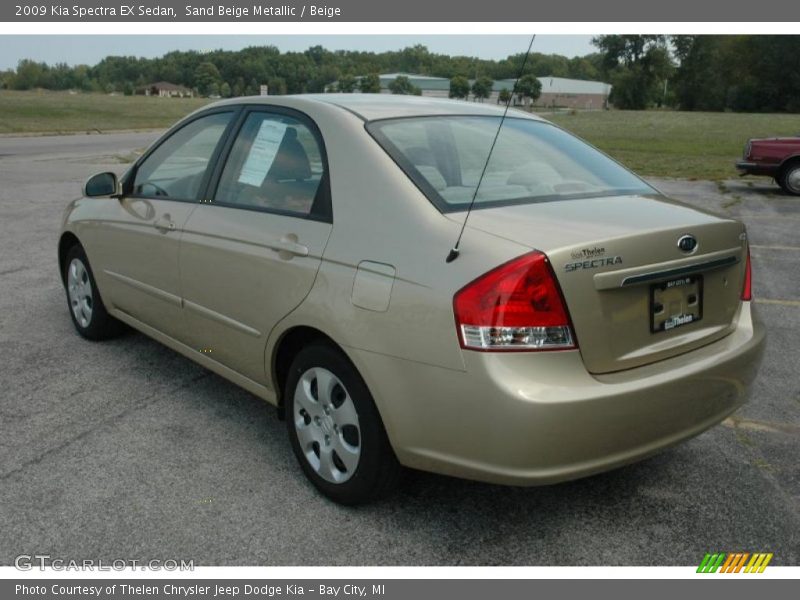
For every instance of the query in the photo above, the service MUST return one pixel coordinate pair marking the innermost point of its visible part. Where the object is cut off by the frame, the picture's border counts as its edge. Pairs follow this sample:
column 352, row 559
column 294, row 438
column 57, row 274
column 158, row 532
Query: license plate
column 676, row 303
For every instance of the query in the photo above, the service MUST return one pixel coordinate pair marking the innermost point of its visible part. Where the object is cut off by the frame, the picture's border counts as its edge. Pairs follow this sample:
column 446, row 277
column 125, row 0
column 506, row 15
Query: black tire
column 377, row 471
column 95, row 323
column 789, row 178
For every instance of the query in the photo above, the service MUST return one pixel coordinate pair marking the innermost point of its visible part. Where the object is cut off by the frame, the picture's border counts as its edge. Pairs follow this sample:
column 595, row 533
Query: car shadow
column 194, row 435
column 470, row 522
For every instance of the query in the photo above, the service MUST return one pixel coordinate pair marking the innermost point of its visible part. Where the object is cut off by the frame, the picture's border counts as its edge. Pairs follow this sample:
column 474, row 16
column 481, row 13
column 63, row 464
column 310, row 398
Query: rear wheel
column 86, row 309
column 335, row 430
column 789, row 178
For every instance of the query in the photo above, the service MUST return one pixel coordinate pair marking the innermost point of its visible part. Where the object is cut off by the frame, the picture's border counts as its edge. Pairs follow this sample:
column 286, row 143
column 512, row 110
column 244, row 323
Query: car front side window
column 176, row 168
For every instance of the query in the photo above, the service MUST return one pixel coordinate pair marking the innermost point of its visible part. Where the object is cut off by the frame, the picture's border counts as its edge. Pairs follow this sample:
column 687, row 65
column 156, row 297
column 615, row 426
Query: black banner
column 409, row 10
column 731, row 588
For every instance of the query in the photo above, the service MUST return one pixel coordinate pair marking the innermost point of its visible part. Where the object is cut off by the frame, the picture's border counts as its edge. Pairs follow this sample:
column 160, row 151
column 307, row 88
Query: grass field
column 61, row 112
column 686, row 145
column 653, row 143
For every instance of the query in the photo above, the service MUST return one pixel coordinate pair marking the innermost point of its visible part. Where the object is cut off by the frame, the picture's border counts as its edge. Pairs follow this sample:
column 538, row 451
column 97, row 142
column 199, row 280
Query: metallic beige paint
column 220, row 281
column 611, row 320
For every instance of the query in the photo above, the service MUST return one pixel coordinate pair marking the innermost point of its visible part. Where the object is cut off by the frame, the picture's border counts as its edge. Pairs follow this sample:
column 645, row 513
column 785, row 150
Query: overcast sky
column 90, row 49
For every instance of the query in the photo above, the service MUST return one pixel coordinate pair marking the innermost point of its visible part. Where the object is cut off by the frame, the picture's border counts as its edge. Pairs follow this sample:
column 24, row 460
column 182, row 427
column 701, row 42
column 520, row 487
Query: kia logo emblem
column 687, row 243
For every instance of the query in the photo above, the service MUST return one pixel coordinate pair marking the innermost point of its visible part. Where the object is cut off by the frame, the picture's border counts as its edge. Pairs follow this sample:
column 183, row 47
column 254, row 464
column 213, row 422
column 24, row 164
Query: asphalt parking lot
column 125, row 449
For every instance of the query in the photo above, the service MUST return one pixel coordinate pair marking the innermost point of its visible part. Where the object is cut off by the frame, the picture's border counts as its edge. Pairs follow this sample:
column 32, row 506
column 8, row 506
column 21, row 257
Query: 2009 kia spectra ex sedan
column 297, row 246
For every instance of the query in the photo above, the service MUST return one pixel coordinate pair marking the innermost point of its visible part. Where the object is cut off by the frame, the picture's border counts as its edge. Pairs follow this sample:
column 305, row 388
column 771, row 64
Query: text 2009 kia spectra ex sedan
column 297, row 246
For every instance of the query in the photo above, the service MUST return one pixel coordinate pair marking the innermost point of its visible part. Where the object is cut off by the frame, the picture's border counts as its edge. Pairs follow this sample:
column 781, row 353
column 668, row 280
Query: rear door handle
column 288, row 247
column 164, row 224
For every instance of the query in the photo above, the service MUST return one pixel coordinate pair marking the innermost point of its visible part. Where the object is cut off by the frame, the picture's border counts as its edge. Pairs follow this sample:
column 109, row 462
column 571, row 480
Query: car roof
column 371, row 107
column 392, row 106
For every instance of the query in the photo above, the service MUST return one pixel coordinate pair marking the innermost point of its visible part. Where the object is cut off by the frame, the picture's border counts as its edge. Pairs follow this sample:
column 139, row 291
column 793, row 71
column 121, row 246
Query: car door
column 250, row 255
column 137, row 245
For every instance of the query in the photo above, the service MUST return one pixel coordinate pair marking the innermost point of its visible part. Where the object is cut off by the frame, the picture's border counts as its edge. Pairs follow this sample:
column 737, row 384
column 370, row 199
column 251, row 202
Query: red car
column 774, row 157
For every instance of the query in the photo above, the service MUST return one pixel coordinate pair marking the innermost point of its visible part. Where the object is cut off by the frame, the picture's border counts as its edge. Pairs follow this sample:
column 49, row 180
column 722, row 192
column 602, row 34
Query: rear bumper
column 540, row 418
column 751, row 168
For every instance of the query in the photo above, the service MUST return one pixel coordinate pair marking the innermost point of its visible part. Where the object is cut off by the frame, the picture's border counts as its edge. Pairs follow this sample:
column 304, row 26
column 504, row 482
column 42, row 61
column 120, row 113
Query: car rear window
column 533, row 161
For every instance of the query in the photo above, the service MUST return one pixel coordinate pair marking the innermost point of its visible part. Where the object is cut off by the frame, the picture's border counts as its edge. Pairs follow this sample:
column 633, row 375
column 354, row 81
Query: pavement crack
column 146, row 402
column 778, row 302
column 762, row 465
column 736, row 422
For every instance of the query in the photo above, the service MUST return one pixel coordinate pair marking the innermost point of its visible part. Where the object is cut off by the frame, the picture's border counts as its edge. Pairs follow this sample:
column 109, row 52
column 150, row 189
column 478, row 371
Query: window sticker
column 262, row 152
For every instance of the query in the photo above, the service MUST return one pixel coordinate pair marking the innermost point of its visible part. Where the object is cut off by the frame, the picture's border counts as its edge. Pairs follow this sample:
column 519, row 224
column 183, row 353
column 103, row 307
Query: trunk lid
column 633, row 295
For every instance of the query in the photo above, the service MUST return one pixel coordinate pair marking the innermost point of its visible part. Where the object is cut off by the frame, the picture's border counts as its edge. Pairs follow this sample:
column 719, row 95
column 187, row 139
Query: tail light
column 747, row 290
column 517, row 306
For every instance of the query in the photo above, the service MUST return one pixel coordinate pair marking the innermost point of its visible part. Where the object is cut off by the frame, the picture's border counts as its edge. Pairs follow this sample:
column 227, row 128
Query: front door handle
column 288, row 247
column 164, row 224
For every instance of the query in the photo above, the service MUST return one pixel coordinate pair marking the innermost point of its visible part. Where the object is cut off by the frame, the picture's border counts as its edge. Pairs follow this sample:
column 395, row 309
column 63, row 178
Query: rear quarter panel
column 380, row 216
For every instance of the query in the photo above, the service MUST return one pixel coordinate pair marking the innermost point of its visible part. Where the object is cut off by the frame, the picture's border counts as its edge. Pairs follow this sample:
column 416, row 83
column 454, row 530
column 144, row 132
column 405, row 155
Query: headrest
column 291, row 161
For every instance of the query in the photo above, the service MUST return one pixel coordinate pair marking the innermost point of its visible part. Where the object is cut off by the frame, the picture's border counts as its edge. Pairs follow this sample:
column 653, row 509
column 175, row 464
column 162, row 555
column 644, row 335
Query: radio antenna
column 456, row 250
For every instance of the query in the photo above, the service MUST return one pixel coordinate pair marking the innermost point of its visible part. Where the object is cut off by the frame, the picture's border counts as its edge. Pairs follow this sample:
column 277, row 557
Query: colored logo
column 735, row 562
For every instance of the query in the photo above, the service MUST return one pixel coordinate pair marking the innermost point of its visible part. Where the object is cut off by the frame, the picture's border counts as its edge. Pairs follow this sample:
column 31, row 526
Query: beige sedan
column 297, row 247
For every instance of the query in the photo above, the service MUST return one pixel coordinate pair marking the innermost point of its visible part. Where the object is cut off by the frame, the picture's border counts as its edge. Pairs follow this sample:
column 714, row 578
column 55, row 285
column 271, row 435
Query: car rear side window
column 532, row 161
column 176, row 168
column 275, row 164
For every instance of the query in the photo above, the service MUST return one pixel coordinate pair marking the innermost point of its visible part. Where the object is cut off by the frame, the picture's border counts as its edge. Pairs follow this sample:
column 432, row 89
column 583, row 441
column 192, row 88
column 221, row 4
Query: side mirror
column 102, row 184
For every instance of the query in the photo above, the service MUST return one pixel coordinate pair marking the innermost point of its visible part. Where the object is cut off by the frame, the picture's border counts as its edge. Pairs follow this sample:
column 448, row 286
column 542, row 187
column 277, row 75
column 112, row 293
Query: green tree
column 415, row 59
column 585, row 67
column 7, row 79
column 482, row 88
column 504, row 97
column 30, row 74
column 370, row 84
column 718, row 72
column 638, row 66
column 347, row 84
column 528, row 88
column 207, row 78
column 459, row 87
column 82, row 77
column 253, row 88
column 323, row 76
column 402, row 85
column 225, row 90
column 277, row 86
column 238, row 87
column 727, row 72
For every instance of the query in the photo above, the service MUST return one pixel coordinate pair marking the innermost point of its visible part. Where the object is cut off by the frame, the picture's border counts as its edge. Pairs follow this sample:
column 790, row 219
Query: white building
column 557, row 92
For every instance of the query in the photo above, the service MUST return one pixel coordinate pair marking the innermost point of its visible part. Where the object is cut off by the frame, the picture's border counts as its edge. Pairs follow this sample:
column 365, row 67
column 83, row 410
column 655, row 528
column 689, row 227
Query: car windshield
column 533, row 161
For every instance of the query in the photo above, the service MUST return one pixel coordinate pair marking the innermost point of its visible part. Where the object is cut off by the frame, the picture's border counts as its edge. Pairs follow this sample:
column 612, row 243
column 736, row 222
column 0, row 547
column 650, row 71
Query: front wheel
column 789, row 179
column 335, row 430
column 88, row 313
